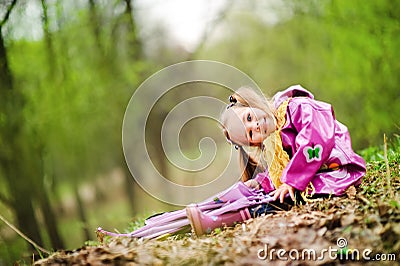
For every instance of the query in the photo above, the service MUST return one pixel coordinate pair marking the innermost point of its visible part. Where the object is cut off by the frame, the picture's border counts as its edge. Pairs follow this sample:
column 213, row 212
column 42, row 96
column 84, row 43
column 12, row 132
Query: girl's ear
column 226, row 135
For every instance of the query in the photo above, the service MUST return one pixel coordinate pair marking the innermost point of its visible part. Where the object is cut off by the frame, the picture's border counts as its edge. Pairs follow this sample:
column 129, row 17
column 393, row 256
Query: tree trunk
column 6, row 82
column 47, row 210
column 51, row 222
column 81, row 212
column 49, row 43
column 42, row 194
column 95, row 25
column 12, row 158
column 133, row 41
column 129, row 187
column 22, row 203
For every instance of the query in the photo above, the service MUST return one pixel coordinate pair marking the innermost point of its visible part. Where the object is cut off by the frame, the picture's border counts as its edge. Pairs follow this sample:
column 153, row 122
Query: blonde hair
column 250, row 164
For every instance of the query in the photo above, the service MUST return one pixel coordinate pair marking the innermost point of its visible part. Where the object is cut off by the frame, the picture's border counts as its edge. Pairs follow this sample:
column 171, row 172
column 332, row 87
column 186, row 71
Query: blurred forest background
column 69, row 68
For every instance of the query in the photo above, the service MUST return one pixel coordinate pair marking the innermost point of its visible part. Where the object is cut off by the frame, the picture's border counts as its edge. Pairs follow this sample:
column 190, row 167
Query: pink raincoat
column 318, row 145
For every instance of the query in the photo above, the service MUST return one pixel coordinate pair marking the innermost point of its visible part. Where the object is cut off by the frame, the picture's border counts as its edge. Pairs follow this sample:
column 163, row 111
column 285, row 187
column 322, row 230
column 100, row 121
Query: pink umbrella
column 236, row 197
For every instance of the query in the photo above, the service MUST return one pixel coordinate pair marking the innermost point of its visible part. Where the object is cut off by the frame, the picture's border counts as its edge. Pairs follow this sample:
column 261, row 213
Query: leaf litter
column 367, row 217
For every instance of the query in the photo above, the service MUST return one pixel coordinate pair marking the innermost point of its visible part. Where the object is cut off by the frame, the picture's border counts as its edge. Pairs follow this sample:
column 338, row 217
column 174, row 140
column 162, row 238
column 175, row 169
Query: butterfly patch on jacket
column 313, row 153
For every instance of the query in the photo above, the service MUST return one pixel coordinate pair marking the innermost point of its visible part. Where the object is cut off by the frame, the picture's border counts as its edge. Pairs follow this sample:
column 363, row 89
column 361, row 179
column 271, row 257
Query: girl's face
column 250, row 126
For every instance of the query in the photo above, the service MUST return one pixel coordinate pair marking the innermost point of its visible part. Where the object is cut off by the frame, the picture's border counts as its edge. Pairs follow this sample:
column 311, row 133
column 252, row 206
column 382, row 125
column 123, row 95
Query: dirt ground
column 362, row 227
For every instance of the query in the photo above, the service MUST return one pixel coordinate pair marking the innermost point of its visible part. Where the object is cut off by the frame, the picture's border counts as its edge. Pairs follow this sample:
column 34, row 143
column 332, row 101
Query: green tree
column 343, row 51
column 15, row 156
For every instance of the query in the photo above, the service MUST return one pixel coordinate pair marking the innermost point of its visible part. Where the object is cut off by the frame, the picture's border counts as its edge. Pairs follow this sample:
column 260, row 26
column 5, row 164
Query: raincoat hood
column 291, row 92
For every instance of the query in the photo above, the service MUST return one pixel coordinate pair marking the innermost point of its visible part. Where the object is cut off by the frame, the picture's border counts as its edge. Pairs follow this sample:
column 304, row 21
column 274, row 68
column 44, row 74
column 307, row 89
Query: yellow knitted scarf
column 273, row 152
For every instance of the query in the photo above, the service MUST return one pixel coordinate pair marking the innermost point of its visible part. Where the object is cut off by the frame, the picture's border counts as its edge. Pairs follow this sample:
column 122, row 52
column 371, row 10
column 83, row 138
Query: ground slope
column 361, row 227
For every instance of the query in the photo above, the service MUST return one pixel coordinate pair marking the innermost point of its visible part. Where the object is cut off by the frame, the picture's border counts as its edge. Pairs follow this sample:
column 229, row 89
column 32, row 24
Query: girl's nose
column 256, row 127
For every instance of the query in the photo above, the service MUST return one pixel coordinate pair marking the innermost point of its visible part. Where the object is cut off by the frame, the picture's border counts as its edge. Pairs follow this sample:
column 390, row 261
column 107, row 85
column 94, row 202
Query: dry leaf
column 351, row 192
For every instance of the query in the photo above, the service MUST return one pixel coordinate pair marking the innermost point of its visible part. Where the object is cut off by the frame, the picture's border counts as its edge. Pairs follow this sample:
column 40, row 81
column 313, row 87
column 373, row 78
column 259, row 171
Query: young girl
column 301, row 147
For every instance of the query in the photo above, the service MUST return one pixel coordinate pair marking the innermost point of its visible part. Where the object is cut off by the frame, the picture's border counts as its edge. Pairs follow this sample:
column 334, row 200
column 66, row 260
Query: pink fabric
column 315, row 141
column 265, row 182
column 235, row 198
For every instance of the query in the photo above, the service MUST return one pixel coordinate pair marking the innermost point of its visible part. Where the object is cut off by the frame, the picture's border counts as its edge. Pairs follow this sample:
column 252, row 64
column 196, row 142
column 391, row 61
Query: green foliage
column 92, row 243
column 73, row 89
column 380, row 183
column 79, row 96
column 345, row 52
column 10, row 251
column 375, row 154
column 136, row 224
column 395, row 203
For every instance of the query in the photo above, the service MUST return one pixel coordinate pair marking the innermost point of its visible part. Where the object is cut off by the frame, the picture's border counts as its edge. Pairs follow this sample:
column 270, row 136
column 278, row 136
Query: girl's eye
column 251, row 134
column 249, row 117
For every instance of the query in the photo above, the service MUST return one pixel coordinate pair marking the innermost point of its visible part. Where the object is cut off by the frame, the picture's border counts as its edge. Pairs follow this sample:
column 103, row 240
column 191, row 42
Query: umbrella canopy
column 236, row 197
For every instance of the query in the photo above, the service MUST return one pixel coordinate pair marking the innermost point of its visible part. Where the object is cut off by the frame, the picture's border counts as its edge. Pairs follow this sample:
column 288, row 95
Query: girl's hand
column 282, row 191
column 251, row 183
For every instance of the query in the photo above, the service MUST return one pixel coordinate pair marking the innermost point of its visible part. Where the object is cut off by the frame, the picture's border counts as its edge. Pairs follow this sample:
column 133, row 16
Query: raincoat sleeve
column 314, row 142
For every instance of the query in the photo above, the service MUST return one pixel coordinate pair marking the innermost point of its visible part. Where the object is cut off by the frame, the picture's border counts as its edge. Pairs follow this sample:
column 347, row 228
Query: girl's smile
column 253, row 125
